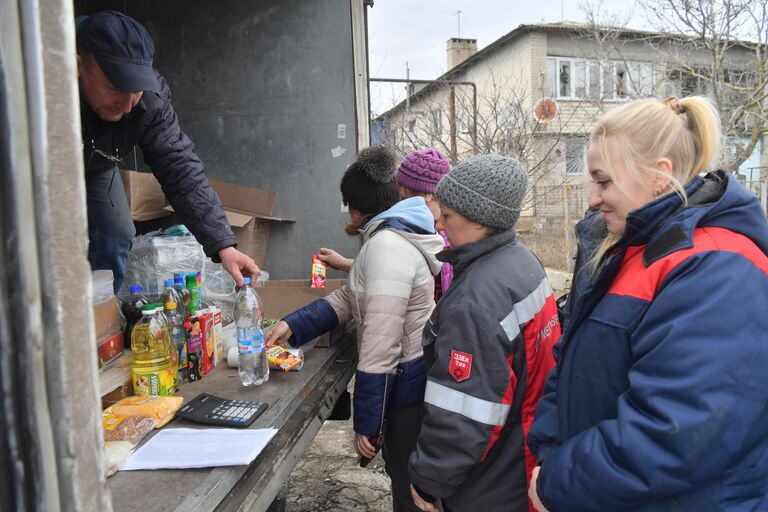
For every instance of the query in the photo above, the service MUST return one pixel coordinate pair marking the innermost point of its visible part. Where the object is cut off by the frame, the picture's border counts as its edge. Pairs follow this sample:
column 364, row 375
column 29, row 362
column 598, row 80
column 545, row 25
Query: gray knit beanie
column 487, row 189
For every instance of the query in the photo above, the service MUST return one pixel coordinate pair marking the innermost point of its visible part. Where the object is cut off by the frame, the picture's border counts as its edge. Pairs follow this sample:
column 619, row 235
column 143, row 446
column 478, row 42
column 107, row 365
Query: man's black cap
column 122, row 47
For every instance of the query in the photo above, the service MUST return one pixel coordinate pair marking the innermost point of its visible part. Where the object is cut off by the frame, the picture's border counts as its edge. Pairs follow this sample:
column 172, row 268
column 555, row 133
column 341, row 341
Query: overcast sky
column 416, row 31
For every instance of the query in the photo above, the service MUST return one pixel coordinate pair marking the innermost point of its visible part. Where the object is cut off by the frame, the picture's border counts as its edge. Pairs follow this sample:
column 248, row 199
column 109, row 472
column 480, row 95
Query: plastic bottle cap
column 170, row 305
column 247, row 280
column 135, row 288
column 148, row 309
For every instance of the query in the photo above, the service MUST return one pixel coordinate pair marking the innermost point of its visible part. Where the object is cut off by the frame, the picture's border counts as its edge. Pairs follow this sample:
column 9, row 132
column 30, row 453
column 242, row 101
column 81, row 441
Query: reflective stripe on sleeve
column 526, row 309
column 476, row 409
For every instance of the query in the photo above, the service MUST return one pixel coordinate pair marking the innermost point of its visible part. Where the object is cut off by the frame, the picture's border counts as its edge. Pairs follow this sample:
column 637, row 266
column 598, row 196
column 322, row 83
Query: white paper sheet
column 177, row 448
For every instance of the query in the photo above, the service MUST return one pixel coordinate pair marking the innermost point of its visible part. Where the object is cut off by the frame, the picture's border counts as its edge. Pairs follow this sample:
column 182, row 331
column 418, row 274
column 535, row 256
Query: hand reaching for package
column 334, row 259
column 278, row 334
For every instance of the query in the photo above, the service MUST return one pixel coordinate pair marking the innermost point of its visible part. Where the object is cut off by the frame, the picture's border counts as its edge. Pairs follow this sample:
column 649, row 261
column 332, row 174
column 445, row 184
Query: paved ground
column 328, row 479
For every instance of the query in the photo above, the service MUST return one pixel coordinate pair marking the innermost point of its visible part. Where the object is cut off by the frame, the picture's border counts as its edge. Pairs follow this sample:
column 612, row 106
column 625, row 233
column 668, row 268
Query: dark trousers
column 403, row 425
column 110, row 226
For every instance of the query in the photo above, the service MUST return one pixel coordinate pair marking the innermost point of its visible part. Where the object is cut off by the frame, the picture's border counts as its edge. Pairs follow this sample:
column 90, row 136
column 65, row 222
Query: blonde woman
column 660, row 396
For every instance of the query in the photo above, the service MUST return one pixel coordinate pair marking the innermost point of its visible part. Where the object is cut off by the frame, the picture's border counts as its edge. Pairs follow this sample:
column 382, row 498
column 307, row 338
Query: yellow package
column 281, row 358
column 159, row 408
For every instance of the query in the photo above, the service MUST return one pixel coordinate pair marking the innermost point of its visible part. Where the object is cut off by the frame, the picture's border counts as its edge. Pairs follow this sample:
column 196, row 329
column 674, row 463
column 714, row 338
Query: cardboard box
column 115, row 382
column 249, row 212
column 280, row 297
column 145, row 197
column 109, row 333
column 106, row 317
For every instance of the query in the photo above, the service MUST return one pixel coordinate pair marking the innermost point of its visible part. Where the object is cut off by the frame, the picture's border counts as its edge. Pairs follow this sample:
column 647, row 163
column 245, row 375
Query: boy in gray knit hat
column 488, row 347
column 487, row 189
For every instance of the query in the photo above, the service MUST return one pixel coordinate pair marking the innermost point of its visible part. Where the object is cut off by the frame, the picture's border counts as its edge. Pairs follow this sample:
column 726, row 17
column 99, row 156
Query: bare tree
column 501, row 122
column 711, row 47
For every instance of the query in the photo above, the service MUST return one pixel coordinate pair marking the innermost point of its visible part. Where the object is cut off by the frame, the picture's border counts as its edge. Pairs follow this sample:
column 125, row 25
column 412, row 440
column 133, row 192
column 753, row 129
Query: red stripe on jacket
column 541, row 334
column 634, row 279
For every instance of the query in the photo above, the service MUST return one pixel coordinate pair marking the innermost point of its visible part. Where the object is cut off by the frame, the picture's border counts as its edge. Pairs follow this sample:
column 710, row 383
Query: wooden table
column 299, row 402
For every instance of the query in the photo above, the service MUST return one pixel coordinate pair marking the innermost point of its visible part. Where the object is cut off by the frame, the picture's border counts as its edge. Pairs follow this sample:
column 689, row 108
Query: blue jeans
column 110, row 226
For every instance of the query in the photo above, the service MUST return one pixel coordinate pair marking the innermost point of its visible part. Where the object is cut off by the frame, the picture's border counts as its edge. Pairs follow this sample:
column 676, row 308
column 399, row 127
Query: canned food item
column 319, row 270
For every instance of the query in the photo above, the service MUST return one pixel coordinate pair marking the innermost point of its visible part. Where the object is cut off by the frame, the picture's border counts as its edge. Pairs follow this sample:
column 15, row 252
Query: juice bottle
column 151, row 366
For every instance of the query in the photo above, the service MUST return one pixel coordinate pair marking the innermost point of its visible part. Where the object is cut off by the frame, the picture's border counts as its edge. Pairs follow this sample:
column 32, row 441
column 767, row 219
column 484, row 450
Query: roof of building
column 562, row 27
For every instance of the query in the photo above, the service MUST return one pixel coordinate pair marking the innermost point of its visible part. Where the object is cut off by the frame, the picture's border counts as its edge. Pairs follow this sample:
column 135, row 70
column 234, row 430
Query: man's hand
column 238, row 265
column 278, row 334
column 334, row 259
column 532, row 494
column 363, row 447
column 419, row 502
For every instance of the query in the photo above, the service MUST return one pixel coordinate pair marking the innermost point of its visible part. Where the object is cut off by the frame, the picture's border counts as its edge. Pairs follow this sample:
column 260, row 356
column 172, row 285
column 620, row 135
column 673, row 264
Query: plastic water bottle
column 179, row 340
column 252, row 356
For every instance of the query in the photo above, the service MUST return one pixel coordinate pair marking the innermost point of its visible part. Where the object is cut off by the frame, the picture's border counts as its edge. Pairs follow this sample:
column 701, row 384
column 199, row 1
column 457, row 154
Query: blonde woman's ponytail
column 704, row 123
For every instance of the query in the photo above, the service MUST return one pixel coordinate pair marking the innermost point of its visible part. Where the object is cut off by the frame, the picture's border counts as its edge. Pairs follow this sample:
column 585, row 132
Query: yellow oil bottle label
column 149, row 382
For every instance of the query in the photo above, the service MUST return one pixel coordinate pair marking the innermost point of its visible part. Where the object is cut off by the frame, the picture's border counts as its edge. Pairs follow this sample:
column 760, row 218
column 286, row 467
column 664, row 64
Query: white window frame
column 607, row 91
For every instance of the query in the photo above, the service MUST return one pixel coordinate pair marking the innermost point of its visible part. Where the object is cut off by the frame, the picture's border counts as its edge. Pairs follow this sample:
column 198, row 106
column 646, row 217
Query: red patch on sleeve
column 460, row 366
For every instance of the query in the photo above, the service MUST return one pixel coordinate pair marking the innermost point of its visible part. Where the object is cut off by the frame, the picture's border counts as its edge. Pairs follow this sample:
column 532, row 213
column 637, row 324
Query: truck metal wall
column 266, row 90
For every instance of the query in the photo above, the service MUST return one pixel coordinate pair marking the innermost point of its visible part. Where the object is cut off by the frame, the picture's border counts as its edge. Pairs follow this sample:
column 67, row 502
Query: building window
column 575, row 156
column 437, row 121
column 464, row 125
column 594, row 81
column 588, row 79
column 564, row 78
column 552, row 78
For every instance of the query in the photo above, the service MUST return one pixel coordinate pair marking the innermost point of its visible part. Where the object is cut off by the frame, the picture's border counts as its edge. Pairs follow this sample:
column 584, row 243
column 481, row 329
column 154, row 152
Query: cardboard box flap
column 239, row 197
column 258, row 215
column 237, row 220
column 145, row 196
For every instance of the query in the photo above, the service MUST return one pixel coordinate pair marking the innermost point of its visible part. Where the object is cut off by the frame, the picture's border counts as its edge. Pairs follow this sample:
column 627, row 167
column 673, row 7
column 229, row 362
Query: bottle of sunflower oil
column 151, row 366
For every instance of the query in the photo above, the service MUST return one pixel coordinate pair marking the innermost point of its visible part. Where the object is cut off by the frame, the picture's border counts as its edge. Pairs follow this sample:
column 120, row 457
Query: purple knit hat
column 422, row 170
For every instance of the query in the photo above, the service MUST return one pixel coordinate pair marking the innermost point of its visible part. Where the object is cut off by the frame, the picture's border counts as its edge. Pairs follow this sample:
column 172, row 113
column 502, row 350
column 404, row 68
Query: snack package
column 115, row 453
column 126, row 428
column 280, row 358
column 218, row 336
column 160, row 408
column 319, row 270
column 208, row 342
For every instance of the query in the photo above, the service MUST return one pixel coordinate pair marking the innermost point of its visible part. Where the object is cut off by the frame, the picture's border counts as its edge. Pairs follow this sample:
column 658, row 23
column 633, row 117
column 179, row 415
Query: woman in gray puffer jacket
column 390, row 296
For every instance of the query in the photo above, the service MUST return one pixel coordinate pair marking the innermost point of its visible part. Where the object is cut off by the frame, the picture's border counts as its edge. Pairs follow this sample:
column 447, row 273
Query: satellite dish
column 545, row 110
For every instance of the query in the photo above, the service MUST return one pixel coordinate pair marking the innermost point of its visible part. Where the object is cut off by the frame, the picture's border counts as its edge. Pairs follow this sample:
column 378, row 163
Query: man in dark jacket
column 124, row 102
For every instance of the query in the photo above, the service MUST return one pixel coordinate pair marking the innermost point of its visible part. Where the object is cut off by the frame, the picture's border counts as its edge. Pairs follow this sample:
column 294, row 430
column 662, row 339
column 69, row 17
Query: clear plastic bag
column 102, row 286
column 156, row 257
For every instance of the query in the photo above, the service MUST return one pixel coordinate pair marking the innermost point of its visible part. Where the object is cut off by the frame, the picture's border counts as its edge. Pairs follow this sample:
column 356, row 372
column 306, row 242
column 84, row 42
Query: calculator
column 212, row 410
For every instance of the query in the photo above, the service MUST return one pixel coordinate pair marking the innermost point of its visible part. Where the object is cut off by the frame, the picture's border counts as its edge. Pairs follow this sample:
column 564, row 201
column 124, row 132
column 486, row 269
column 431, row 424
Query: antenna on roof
column 458, row 17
